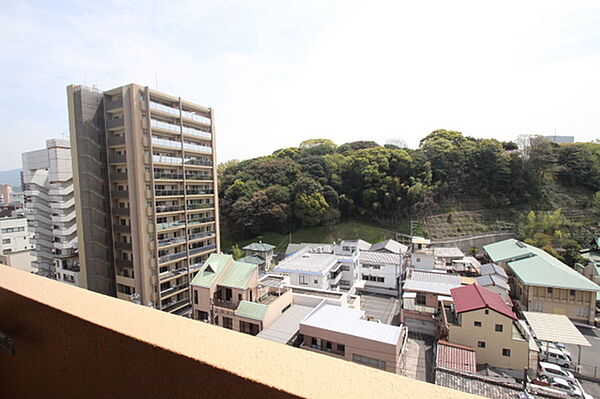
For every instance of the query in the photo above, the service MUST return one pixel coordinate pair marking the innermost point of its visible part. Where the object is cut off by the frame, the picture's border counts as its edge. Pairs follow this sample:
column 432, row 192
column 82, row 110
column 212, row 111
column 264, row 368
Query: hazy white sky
column 281, row 72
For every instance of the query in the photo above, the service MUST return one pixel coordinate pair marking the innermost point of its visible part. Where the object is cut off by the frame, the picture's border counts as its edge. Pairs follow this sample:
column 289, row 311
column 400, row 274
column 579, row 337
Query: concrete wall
column 464, row 243
column 469, row 335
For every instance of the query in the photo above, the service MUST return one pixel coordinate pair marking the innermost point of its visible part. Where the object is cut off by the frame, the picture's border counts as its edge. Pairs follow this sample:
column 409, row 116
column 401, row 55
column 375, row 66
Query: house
column 321, row 266
column 229, row 294
column 262, row 251
column 479, row 318
column 446, row 255
column 455, row 357
column 422, row 294
column 346, row 334
column 422, row 256
column 348, row 247
column 494, row 278
column 380, row 271
column 542, row 283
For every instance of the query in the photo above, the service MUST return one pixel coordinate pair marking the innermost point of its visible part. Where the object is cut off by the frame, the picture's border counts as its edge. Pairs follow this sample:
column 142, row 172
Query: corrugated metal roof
column 251, row 310
column 492, row 268
column 350, row 322
column 507, row 249
column 380, row 258
column 456, row 357
column 287, row 325
column 473, row 297
column 237, row 275
column 211, row 269
column 554, row 328
column 437, row 277
column 429, row 286
column 252, row 259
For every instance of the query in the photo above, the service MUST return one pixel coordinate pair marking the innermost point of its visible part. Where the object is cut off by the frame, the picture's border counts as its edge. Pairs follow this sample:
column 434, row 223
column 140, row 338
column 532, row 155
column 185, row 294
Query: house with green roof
column 228, row 293
column 542, row 283
column 262, row 251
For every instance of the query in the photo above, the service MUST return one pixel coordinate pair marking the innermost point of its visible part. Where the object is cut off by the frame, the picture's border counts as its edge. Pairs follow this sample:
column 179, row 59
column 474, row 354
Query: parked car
column 564, row 385
column 554, row 355
column 553, row 370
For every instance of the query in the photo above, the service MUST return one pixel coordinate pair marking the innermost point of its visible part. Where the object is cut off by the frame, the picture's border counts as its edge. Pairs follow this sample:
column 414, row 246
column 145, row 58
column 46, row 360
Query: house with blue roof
column 541, row 283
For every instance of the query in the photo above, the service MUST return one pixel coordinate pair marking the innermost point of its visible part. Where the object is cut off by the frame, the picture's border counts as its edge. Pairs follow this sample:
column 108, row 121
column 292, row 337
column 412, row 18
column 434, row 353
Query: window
column 345, row 268
column 341, row 349
column 418, row 260
column 380, row 279
column 228, row 323
column 313, row 342
column 202, row 315
column 228, row 294
column 477, row 323
column 195, row 297
column 316, row 281
column 248, row 328
column 550, row 290
column 506, row 352
column 368, row 361
column 487, row 311
column 572, row 292
column 421, row 298
column 303, row 280
column 499, row 327
column 481, row 344
column 376, row 267
column 6, row 241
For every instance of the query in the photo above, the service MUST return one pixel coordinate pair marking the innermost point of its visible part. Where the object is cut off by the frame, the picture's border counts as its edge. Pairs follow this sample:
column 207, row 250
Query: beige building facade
column 145, row 182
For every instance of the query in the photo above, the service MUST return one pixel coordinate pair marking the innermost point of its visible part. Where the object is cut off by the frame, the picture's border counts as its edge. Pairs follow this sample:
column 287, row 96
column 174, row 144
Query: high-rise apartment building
column 146, row 192
column 50, row 210
column 5, row 193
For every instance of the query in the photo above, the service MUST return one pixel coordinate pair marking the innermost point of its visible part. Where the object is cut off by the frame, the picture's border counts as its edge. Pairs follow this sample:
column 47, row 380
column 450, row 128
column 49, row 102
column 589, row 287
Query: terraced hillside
column 466, row 224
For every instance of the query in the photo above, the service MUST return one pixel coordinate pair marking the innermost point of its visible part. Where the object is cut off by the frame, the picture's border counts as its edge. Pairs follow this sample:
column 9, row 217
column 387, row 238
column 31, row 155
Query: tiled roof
column 389, row 245
column 456, row 357
column 473, row 297
column 259, row 246
column 379, row 258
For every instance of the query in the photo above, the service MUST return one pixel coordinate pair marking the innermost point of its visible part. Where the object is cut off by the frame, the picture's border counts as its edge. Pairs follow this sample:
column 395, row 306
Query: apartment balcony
column 121, row 211
column 114, row 104
column 199, row 192
column 119, row 194
column 115, row 123
column 194, row 117
column 199, row 221
column 168, row 193
column 115, row 141
column 61, row 191
column 170, row 241
column 199, row 177
column 170, row 225
column 172, row 257
column 169, row 208
column 101, row 330
column 199, row 250
column 198, row 162
column 195, row 266
column 174, row 289
column 173, row 306
column 128, row 281
column 63, row 205
column 118, row 176
column 117, row 158
column 119, row 228
column 168, row 176
column 225, row 304
column 204, row 235
column 164, row 276
column 166, row 159
column 165, row 109
column 123, row 262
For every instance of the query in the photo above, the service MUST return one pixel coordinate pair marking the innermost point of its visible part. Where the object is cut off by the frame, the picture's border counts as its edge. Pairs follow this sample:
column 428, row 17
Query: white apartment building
column 50, row 209
column 17, row 243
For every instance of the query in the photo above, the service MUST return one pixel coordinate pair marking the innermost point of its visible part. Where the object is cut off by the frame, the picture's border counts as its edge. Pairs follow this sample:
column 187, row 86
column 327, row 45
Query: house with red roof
column 479, row 318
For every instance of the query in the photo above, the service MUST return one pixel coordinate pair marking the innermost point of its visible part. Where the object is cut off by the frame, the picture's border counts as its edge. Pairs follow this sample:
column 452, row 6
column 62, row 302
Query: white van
column 556, row 356
column 554, row 370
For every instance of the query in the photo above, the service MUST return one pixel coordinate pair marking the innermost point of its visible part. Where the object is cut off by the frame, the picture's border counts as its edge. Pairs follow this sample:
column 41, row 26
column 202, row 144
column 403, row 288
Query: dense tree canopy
column 318, row 182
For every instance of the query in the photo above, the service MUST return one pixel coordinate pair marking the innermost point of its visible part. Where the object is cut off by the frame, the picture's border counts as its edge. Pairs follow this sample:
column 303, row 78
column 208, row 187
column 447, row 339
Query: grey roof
column 259, row 247
column 306, row 261
column 380, row 258
column 492, row 279
column 492, row 268
column 434, row 283
column 448, row 252
column 292, row 247
column 360, row 244
column 252, row 259
column 287, row 325
column 489, row 387
column 390, row 246
column 350, row 322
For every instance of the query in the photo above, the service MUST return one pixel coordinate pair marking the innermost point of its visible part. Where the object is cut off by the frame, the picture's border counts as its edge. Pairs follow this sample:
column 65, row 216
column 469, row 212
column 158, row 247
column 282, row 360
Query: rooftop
column 454, row 356
column 212, row 268
column 251, row 310
column 536, row 267
column 448, row 252
column 360, row 244
column 493, row 280
column 259, row 247
column 252, row 259
column 383, row 258
column 287, row 325
column 350, row 322
column 492, row 268
column 390, row 246
column 238, row 275
column 223, row 270
column 307, row 261
column 435, row 283
column 555, row 328
column 473, row 297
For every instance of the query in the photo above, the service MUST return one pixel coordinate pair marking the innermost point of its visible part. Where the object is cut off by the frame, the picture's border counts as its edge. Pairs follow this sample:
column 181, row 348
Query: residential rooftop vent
column 520, row 244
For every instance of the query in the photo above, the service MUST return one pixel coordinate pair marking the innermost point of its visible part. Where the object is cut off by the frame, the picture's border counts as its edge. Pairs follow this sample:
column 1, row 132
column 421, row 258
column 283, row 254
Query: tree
column 310, row 143
column 236, row 252
column 310, row 209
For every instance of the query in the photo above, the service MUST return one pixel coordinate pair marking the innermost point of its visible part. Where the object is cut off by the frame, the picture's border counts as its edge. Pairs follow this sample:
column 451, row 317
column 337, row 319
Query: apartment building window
column 481, row 344
column 345, row 268
column 202, row 315
column 506, row 352
column 376, row 267
column 550, row 290
column 477, row 323
column 369, row 361
column 572, row 292
column 6, row 241
column 499, row 327
column 228, row 323
column 381, row 279
column 303, row 280
column 316, row 281
column 340, row 349
column 228, row 294
column 421, row 298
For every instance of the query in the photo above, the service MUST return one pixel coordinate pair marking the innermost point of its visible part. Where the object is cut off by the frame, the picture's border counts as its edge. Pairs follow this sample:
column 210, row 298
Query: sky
column 280, row 72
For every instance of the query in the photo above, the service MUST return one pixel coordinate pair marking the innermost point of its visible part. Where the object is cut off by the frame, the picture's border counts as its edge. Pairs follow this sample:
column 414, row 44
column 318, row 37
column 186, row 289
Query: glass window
column 481, row 344
column 506, row 352
column 499, row 327
column 477, row 323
